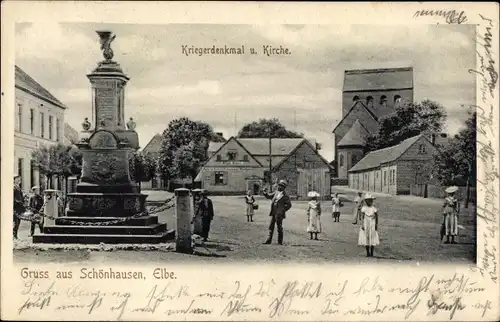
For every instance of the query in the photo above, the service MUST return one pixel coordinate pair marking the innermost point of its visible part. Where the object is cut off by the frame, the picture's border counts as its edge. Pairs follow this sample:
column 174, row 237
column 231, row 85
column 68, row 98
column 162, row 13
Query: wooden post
column 183, row 243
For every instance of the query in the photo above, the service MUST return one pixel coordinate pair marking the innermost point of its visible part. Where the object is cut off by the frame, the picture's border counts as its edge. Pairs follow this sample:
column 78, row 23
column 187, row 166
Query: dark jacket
column 206, row 210
column 36, row 202
column 19, row 206
column 280, row 207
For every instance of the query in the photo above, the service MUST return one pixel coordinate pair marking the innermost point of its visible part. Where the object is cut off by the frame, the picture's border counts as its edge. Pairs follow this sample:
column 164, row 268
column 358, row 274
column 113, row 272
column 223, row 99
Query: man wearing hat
column 206, row 211
column 36, row 203
column 280, row 204
column 19, row 206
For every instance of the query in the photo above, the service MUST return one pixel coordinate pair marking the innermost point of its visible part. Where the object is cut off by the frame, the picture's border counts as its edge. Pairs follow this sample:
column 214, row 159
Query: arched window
column 355, row 98
column 422, row 149
column 383, row 99
column 397, row 99
column 369, row 100
column 341, row 160
column 354, row 159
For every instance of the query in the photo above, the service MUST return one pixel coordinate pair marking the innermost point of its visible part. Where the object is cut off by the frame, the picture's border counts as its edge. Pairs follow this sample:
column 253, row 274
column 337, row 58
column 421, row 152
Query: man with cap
column 36, row 203
column 19, row 206
column 206, row 211
column 280, row 204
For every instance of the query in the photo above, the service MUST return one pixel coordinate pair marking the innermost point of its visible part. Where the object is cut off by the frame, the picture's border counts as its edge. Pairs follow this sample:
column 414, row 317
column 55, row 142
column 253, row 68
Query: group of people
column 30, row 206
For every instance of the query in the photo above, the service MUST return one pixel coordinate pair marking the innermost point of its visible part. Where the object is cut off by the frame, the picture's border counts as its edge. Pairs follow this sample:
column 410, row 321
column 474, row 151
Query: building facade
column 368, row 95
column 405, row 168
column 39, row 120
column 240, row 165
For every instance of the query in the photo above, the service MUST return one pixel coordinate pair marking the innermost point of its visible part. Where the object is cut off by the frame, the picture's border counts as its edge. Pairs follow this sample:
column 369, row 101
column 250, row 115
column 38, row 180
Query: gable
column 357, row 112
column 304, row 156
column 242, row 157
column 414, row 152
column 355, row 136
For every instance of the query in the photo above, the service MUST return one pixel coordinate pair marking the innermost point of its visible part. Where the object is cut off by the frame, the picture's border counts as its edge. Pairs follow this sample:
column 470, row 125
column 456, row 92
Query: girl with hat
column 451, row 208
column 313, row 216
column 368, row 234
column 336, row 207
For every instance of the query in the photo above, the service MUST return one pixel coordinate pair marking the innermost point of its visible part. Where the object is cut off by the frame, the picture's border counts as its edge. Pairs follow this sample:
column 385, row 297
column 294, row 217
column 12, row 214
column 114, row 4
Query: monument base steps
column 106, row 239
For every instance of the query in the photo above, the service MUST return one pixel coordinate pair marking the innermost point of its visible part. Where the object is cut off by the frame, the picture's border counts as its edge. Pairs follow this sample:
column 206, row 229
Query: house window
column 50, row 127
column 393, row 177
column 376, row 174
column 58, row 130
column 385, row 178
column 219, row 178
column 219, row 157
column 422, row 149
column 341, row 160
column 231, row 155
column 32, row 121
column 20, row 167
column 245, row 157
column 354, row 159
column 355, row 98
column 42, row 125
column 19, row 118
column 32, row 172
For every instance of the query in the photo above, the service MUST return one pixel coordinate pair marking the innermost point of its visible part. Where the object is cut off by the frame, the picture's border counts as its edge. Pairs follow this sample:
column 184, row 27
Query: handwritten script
column 450, row 16
column 487, row 133
column 447, row 297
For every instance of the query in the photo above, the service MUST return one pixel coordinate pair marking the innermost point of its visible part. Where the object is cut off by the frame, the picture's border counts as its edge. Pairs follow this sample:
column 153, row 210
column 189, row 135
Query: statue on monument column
column 131, row 124
column 106, row 39
column 86, row 124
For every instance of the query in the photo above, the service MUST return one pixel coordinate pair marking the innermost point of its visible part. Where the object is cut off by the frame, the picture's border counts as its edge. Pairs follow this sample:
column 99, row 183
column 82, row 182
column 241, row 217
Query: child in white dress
column 336, row 204
column 368, row 233
column 314, row 217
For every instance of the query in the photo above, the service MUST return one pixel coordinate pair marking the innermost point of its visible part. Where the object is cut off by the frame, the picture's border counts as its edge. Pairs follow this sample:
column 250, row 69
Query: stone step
column 101, row 214
column 141, row 221
column 106, row 239
column 105, row 230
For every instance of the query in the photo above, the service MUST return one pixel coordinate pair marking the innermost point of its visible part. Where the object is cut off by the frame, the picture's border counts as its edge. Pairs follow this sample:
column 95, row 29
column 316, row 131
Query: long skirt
column 314, row 225
column 355, row 215
column 369, row 236
column 451, row 224
column 249, row 211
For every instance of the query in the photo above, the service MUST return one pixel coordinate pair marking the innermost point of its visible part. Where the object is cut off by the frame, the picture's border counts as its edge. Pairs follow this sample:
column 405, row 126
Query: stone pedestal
column 183, row 242
column 50, row 209
column 197, row 224
column 107, row 190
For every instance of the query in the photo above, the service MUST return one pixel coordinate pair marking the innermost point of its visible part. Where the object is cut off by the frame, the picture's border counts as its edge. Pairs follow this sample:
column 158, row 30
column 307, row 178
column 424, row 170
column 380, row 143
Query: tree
column 408, row 120
column 456, row 162
column 261, row 128
column 145, row 167
column 184, row 148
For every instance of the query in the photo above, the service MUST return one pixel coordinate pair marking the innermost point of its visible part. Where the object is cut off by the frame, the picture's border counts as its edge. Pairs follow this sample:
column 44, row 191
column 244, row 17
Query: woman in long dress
column 314, row 217
column 250, row 201
column 358, row 203
column 368, row 233
column 451, row 209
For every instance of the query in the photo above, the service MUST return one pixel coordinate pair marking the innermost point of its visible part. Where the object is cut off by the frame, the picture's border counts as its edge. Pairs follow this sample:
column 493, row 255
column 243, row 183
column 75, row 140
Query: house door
column 256, row 188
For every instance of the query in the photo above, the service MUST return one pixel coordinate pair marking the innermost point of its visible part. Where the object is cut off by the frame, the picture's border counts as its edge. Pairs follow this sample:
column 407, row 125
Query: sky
column 303, row 90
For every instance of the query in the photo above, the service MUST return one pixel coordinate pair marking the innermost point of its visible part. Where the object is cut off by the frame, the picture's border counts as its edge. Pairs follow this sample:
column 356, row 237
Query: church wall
column 347, row 98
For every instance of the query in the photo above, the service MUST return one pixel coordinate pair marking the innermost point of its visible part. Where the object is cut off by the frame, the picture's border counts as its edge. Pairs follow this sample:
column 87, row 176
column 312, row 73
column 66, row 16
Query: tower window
column 341, row 160
column 369, row 100
column 383, row 99
column 355, row 98
column 397, row 99
column 354, row 159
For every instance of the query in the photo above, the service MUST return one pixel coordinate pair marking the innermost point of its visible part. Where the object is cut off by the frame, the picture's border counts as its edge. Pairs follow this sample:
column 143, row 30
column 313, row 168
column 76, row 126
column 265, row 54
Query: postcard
column 273, row 161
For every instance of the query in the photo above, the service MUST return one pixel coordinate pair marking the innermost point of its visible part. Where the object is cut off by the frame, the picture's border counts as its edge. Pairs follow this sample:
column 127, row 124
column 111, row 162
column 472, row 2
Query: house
column 367, row 96
column 39, row 121
column 404, row 168
column 153, row 148
column 70, row 134
column 242, row 164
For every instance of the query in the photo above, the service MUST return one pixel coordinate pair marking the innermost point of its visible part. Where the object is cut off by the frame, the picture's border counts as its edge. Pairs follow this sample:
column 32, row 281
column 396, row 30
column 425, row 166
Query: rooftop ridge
column 376, row 70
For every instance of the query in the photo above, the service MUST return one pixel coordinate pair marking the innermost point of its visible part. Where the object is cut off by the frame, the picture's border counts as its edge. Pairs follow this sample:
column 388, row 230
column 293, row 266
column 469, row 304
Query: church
column 367, row 96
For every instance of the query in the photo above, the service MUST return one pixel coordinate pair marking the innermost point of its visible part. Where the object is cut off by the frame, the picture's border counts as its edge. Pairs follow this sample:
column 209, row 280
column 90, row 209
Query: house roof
column 70, row 134
column 296, row 148
column 153, row 145
column 227, row 142
column 283, row 147
column 25, row 82
column 375, row 158
column 355, row 136
column 364, row 107
column 378, row 79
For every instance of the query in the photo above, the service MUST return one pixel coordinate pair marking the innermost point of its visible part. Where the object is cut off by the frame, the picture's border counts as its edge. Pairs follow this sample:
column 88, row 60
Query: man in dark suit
column 206, row 209
column 280, row 204
column 19, row 206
